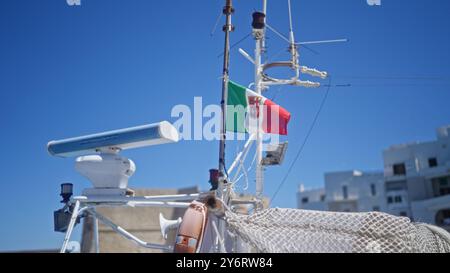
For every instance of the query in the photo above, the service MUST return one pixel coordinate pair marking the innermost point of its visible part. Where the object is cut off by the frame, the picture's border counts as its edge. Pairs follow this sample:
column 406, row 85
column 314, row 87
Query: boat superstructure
column 219, row 212
column 98, row 159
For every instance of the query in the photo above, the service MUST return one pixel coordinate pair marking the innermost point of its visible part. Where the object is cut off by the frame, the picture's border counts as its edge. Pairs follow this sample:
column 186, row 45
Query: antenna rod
column 291, row 30
column 227, row 28
column 263, row 44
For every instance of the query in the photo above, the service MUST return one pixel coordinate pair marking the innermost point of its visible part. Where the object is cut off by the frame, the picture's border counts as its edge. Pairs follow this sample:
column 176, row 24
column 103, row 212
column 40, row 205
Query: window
column 322, row 198
column 345, row 192
column 444, row 191
column 399, row 169
column 305, row 200
column 441, row 186
column 403, row 214
column 443, row 217
column 395, row 199
column 432, row 162
column 373, row 189
column 444, row 187
column 443, row 182
column 376, row 208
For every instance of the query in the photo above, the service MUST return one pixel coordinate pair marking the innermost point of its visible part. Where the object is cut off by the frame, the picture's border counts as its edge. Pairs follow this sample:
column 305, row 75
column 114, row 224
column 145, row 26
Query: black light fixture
column 66, row 192
column 61, row 220
column 258, row 20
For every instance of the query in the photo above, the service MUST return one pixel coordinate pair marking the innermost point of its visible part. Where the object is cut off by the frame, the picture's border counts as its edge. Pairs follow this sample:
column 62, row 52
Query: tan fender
column 190, row 233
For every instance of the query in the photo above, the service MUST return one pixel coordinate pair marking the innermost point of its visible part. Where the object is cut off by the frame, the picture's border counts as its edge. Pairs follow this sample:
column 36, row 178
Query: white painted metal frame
column 242, row 154
column 89, row 204
column 262, row 82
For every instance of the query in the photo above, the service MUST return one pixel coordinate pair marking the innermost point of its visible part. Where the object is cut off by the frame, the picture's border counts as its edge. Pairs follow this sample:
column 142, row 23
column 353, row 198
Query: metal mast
column 263, row 80
column 258, row 24
column 227, row 28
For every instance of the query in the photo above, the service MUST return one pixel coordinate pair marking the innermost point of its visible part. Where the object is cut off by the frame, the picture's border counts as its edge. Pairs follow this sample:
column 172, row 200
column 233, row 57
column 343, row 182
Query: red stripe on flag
column 276, row 119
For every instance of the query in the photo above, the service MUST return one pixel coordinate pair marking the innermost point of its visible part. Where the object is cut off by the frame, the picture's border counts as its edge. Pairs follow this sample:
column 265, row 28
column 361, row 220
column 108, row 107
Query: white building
column 417, row 178
column 311, row 199
column 350, row 191
column 354, row 191
column 415, row 184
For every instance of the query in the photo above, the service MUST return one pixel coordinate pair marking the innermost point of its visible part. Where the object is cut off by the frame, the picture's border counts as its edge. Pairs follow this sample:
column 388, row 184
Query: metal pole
column 95, row 231
column 265, row 8
column 127, row 234
column 265, row 21
column 259, row 35
column 132, row 202
column 259, row 148
column 241, row 155
column 227, row 28
column 72, row 222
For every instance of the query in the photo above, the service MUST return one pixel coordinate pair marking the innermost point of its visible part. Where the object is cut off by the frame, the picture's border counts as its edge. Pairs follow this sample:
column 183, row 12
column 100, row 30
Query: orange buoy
column 190, row 233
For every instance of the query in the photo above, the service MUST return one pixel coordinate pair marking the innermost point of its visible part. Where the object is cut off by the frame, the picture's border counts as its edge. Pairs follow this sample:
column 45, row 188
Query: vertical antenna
column 292, row 46
column 265, row 21
column 291, row 29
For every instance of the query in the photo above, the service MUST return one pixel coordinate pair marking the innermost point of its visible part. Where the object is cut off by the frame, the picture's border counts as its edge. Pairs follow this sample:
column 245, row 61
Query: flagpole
column 227, row 28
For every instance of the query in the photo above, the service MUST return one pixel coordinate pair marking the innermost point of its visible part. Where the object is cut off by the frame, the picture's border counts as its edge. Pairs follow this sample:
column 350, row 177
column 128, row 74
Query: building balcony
column 439, row 171
column 341, row 198
column 434, row 211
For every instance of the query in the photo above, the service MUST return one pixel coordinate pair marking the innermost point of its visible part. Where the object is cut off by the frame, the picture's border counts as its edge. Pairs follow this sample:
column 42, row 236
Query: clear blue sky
column 68, row 71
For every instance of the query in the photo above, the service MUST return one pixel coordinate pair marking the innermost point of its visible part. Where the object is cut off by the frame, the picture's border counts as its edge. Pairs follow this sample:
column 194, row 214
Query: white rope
column 245, row 173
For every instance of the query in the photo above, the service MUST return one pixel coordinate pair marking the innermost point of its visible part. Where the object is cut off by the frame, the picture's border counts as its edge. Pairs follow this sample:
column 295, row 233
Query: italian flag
column 244, row 107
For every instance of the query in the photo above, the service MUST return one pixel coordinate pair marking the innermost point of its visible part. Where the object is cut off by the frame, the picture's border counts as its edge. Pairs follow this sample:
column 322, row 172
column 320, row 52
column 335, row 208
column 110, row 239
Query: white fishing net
column 300, row 231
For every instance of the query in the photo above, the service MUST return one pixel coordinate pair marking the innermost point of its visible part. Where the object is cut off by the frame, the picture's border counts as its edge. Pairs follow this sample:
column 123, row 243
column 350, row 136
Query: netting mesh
column 300, row 231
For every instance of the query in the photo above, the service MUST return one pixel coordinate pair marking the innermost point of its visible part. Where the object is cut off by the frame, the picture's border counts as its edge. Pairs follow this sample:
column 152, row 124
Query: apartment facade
column 415, row 183
column 418, row 176
column 347, row 191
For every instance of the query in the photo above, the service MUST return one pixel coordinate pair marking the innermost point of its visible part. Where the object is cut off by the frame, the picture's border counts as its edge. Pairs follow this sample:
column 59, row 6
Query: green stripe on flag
column 237, row 103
